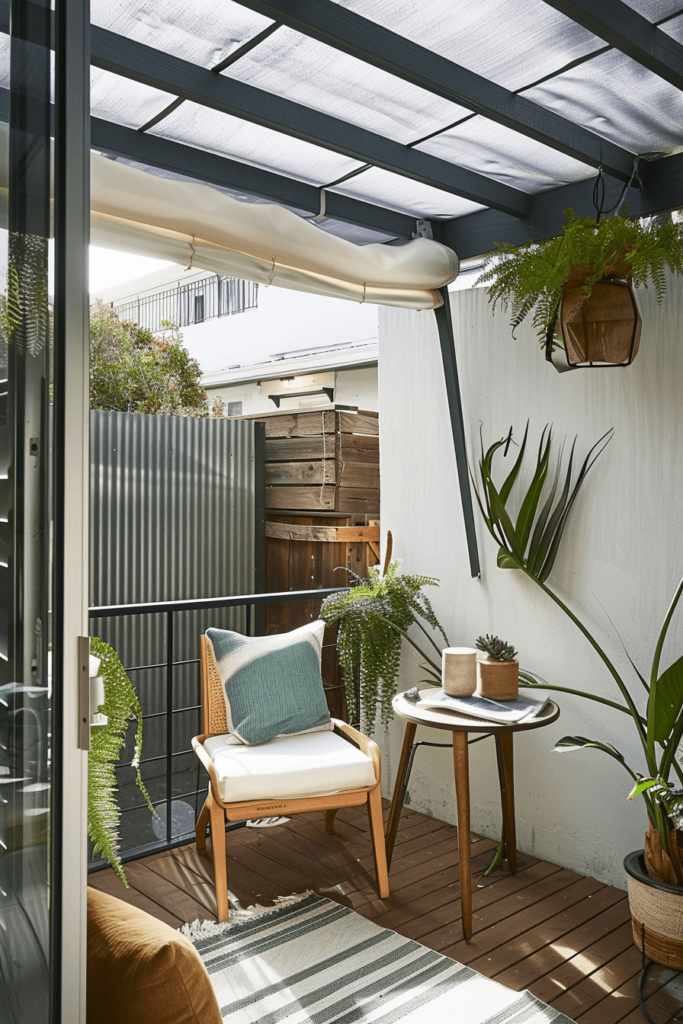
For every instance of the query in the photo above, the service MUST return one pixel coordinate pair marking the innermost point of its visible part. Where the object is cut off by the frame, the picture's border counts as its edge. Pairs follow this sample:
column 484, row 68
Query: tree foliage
column 133, row 370
column 533, row 276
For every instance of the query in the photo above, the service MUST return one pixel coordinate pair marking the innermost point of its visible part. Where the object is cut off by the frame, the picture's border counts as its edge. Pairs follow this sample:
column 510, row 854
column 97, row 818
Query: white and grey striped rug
column 311, row 961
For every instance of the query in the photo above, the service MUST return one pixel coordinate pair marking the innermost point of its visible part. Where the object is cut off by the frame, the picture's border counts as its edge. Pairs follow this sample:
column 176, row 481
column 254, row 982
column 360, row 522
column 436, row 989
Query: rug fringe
column 239, row 916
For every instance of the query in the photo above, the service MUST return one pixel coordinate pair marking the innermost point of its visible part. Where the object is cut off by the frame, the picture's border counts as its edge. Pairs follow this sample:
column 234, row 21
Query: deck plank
column 548, row 929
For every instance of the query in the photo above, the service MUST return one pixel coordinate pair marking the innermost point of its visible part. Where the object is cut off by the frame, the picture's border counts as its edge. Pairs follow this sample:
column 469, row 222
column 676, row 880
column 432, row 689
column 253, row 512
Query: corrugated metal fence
column 176, row 513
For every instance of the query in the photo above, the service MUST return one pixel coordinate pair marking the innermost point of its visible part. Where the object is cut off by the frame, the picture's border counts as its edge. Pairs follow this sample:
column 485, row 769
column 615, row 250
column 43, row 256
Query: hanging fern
column 374, row 617
column 120, row 706
column 532, row 277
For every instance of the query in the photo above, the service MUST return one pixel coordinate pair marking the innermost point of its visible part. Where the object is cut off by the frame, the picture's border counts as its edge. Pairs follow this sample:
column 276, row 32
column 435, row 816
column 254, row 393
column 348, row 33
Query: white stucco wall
column 623, row 548
column 351, row 387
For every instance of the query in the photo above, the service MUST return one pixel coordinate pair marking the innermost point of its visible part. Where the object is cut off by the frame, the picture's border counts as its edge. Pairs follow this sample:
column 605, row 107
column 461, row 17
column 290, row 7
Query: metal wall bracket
column 444, row 322
column 84, row 692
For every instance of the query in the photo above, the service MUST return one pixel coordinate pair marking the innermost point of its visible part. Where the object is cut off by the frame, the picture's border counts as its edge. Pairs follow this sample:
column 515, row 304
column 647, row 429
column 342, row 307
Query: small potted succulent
column 498, row 672
column 579, row 285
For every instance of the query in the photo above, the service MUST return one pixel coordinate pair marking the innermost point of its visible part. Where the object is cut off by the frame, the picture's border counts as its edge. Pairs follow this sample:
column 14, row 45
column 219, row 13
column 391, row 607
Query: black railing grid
column 168, row 716
column 191, row 303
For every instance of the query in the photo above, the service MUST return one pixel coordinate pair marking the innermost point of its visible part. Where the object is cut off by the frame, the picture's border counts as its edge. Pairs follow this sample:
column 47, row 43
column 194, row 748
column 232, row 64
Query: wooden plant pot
column 656, row 914
column 602, row 329
column 498, row 680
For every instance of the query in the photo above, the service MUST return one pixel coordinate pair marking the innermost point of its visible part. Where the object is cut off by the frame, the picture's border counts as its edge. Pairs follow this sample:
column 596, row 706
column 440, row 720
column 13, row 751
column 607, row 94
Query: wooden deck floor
column 565, row 937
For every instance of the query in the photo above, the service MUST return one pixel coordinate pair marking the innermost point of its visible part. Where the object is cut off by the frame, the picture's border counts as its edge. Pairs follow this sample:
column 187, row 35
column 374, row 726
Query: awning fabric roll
column 198, row 226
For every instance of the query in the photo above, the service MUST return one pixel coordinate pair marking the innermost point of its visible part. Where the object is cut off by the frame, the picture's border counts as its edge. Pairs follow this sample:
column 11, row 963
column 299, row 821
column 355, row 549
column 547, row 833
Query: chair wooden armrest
column 364, row 743
column 198, row 747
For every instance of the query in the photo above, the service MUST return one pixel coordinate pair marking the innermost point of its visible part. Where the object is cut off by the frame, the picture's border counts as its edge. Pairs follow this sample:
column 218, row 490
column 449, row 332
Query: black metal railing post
column 169, row 725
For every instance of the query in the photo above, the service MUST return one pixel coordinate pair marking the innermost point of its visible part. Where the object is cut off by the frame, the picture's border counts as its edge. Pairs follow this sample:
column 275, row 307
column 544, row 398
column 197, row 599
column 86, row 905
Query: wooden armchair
column 260, row 777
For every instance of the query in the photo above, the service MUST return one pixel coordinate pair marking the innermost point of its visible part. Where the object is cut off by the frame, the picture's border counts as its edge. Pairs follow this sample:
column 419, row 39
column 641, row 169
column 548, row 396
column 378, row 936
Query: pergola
column 386, row 119
column 383, row 120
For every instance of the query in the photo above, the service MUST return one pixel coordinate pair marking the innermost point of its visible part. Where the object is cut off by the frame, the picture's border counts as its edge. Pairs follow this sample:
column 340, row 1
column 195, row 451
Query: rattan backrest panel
column 218, row 718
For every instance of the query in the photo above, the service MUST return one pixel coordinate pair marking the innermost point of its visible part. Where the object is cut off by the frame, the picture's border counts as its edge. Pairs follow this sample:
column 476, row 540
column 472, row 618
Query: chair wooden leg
column 329, row 820
column 220, row 866
column 378, row 846
column 200, row 832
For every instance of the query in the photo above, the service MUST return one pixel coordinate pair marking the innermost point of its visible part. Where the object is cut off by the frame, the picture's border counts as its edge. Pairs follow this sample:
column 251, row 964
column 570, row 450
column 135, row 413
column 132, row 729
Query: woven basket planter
column 656, row 914
column 603, row 329
column 498, row 680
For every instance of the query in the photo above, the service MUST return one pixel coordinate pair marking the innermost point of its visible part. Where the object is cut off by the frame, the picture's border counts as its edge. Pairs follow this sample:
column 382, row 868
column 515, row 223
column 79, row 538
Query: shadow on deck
column 565, row 937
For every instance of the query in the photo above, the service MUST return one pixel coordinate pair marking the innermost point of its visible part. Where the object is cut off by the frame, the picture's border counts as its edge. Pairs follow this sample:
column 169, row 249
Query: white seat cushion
column 315, row 764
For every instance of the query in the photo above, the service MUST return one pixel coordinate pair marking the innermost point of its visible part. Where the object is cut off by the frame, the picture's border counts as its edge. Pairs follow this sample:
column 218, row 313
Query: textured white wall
column 623, row 548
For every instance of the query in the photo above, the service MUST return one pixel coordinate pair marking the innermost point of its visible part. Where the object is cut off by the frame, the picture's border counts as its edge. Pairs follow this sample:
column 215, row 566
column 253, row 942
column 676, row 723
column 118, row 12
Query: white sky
column 109, row 267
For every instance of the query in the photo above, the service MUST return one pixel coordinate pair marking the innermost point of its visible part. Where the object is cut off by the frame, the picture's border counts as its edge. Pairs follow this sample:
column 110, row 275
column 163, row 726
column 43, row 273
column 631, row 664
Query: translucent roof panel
column 383, row 188
column 655, row 10
column 263, row 147
column 511, row 42
column 302, row 69
column 203, row 32
column 123, row 101
column 498, row 152
column 620, row 100
column 674, row 28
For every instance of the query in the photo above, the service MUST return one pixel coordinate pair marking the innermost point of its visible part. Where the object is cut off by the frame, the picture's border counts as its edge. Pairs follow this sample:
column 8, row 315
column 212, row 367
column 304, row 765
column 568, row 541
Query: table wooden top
column 454, row 722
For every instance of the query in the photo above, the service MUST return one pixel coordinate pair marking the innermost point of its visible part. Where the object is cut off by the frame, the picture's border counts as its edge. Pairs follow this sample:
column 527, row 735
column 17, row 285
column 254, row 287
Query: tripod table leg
column 399, row 789
column 462, row 792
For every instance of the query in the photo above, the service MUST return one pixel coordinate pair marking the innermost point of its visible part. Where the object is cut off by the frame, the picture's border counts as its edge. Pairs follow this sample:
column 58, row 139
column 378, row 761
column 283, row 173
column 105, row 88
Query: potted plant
column 580, row 285
column 119, row 707
column 655, row 874
column 374, row 618
column 498, row 672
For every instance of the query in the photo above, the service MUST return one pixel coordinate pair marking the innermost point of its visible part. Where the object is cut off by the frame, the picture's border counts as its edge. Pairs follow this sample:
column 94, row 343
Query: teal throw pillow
column 272, row 684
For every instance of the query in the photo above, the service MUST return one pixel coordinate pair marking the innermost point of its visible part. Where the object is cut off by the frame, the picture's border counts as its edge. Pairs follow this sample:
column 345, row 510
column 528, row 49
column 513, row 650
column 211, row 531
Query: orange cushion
column 141, row 971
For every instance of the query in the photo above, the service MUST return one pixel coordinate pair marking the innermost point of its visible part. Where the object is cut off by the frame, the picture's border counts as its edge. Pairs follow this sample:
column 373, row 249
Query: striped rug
column 311, row 961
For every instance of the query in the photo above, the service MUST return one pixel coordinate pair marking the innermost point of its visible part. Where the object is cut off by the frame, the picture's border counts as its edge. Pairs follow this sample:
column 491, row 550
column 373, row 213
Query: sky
column 109, row 267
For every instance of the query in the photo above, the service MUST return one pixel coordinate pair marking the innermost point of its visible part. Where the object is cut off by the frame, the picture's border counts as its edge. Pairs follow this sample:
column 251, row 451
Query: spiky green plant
column 532, row 276
column 121, row 705
column 531, row 545
column 495, row 648
column 374, row 618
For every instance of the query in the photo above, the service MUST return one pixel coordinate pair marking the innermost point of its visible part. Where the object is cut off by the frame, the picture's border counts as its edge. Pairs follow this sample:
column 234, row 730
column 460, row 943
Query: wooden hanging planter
column 601, row 329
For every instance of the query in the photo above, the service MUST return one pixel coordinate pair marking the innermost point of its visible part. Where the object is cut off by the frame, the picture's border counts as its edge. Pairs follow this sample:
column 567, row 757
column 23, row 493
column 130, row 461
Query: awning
column 199, row 226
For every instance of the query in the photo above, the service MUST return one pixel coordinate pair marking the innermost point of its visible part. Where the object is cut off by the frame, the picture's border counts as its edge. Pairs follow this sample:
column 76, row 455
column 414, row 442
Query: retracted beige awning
column 198, row 226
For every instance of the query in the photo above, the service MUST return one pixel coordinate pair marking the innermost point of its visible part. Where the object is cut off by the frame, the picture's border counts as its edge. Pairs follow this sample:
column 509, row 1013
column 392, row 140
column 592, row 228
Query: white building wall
column 622, row 550
column 352, row 387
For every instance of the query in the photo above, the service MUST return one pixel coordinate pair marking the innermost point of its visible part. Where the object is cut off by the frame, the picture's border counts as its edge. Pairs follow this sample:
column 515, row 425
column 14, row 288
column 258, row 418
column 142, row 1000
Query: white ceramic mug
column 459, row 671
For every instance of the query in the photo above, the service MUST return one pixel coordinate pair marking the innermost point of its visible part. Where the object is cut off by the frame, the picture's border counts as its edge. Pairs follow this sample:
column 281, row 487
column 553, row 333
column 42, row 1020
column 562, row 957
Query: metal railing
column 191, row 303
column 250, row 602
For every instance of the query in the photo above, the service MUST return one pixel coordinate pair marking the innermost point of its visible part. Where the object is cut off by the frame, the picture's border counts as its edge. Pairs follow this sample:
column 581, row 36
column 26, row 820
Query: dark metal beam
column 476, row 234
column 444, row 323
column 626, row 30
column 218, row 170
column 344, row 30
column 163, row 71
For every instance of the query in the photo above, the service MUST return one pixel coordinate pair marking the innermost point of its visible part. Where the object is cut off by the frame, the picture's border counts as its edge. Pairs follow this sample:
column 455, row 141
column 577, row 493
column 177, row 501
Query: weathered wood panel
column 309, row 498
column 301, row 472
column 358, row 475
column 357, row 499
column 359, row 422
column 325, row 534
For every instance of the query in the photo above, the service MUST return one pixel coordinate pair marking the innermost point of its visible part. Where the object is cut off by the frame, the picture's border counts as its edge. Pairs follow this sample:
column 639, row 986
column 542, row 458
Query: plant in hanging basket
column 530, row 544
column 579, row 285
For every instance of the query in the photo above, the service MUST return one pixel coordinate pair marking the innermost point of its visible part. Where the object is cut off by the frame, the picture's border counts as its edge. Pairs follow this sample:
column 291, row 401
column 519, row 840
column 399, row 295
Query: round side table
column 460, row 726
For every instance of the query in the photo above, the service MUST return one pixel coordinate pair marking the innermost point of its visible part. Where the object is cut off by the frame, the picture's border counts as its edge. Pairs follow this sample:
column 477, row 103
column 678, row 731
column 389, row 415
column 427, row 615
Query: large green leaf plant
column 529, row 542
column 121, row 706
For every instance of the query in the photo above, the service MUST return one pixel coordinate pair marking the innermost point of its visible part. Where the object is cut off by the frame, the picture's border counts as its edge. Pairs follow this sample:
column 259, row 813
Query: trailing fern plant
column 121, row 705
column 374, row 618
column 532, row 277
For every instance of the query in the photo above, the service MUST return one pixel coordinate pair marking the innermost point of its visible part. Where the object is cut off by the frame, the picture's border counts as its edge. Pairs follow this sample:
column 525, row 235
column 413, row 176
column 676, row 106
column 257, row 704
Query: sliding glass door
column 38, row 633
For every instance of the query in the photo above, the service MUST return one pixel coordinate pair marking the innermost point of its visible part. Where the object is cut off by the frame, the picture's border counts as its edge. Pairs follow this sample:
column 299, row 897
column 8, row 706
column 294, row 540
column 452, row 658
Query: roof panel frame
column 142, row 63
column 345, row 30
column 627, row 30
